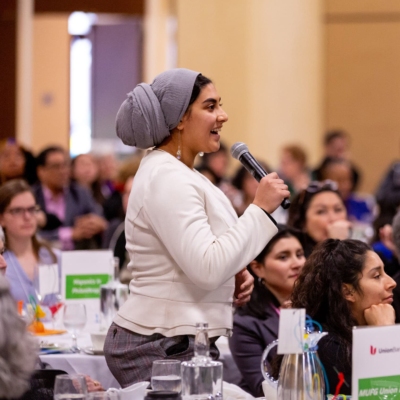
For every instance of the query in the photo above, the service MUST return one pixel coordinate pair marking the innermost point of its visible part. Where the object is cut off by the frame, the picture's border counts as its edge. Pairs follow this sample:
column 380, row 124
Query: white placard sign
column 376, row 363
column 49, row 282
column 291, row 330
column 83, row 272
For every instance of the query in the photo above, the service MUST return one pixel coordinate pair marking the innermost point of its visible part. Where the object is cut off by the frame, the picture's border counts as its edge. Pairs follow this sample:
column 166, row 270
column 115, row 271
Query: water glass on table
column 110, row 394
column 69, row 387
column 74, row 320
column 166, row 375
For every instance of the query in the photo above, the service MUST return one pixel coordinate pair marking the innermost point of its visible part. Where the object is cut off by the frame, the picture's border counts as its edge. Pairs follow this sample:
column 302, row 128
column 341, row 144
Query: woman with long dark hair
column 256, row 324
column 343, row 284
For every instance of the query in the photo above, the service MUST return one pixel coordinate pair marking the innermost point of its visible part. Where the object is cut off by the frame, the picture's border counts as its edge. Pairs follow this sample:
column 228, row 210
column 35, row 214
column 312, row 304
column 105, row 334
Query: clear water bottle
column 201, row 376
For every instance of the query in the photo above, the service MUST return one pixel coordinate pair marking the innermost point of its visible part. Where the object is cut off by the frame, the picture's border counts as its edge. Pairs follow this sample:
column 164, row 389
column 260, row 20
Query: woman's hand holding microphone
column 271, row 192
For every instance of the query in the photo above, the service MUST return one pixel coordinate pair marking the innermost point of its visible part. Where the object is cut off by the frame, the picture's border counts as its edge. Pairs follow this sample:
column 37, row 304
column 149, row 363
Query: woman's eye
column 377, row 276
column 283, row 257
column 211, row 106
column 320, row 212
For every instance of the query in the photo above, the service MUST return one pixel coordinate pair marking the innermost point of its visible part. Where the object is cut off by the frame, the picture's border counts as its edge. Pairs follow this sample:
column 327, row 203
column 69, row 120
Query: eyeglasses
column 317, row 186
column 21, row 211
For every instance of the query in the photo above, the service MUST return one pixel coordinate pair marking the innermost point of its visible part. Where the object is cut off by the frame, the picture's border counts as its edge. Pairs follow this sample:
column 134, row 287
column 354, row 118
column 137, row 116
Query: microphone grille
column 238, row 149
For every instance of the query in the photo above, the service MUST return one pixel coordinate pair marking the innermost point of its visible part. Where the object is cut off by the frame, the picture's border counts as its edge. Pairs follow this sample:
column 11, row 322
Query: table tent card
column 83, row 272
column 291, row 330
column 376, row 363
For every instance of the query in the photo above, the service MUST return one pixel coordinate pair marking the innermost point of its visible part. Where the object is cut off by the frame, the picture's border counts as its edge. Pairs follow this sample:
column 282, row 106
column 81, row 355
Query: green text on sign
column 384, row 387
column 84, row 286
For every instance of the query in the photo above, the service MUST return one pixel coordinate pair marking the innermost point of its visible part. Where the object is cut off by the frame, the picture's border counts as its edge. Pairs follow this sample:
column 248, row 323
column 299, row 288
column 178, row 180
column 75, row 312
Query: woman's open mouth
column 216, row 131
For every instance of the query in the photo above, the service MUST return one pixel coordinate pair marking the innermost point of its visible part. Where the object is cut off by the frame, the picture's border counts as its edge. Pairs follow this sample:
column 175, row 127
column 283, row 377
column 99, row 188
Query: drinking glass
column 70, row 387
column 166, row 375
column 110, row 394
column 54, row 308
column 74, row 320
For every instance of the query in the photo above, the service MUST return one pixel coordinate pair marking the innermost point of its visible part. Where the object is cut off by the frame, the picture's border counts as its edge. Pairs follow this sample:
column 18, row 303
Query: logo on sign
column 372, row 350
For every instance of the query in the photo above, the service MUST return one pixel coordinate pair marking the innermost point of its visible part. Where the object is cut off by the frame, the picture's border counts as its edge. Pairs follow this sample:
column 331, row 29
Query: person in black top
column 256, row 324
column 343, row 284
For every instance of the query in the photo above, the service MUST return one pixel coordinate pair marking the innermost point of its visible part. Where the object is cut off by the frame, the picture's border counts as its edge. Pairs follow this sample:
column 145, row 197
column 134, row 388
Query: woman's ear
column 256, row 267
column 348, row 292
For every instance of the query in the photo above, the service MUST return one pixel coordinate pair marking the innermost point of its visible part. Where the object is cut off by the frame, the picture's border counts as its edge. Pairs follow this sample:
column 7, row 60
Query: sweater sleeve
column 247, row 346
column 175, row 207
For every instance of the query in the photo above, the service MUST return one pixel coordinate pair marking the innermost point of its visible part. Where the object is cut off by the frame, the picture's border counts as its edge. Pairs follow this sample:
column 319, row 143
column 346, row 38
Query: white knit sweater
column 185, row 244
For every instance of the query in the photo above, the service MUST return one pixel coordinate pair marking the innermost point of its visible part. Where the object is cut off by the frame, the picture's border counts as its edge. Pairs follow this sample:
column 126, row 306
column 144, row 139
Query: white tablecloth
column 96, row 366
column 93, row 365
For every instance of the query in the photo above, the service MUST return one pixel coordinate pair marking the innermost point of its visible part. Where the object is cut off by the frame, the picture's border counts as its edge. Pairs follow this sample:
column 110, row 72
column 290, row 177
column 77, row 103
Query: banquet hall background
column 287, row 71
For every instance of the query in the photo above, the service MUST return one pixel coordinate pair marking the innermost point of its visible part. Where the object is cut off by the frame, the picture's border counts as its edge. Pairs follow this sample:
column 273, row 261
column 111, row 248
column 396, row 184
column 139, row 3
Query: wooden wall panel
column 8, row 30
column 362, row 6
column 363, row 92
column 95, row 6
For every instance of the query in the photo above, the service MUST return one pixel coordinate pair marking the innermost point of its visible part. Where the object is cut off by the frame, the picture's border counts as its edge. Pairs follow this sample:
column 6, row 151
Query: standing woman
column 185, row 242
column 24, row 254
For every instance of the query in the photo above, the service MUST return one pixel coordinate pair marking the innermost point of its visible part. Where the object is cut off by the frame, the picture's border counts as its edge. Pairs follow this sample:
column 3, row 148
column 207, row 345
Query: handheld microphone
column 241, row 152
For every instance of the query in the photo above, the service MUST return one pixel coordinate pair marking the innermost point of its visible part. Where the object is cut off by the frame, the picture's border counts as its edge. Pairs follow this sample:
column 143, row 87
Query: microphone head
column 238, row 149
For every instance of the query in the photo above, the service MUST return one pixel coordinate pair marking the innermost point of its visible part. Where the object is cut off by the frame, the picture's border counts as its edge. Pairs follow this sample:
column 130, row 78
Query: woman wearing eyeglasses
column 24, row 253
column 320, row 213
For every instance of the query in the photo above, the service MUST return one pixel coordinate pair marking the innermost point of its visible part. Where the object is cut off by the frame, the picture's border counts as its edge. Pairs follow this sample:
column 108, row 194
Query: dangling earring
column 201, row 154
column 178, row 153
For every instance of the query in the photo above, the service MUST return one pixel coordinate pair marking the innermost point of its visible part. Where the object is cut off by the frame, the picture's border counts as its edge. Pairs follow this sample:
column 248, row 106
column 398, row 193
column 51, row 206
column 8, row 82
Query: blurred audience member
column 319, row 212
column 256, row 324
column 383, row 244
column 293, row 168
column 388, row 194
column 85, row 171
column 217, row 163
column 115, row 236
column 72, row 217
column 336, row 145
column 16, row 162
column 108, row 168
column 208, row 173
column 113, row 206
column 24, row 254
column 3, row 264
column 18, row 348
column 359, row 208
column 247, row 186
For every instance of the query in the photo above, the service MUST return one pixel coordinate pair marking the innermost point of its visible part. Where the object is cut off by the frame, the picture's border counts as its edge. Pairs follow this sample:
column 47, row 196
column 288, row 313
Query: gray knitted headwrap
column 150, row 112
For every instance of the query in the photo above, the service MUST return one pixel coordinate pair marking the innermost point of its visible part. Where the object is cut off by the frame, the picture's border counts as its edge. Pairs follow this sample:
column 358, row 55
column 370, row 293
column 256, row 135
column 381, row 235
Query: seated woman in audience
column 343, row 284
column 293, row 168
column 319, row 212
column 24, row 254
column 85, row 171
column 359, row 208
column 16, row 162
column 256, row 324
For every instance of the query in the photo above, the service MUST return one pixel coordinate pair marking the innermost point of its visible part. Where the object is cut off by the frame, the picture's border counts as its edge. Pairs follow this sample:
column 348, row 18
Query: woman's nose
column 223, row 116
column 391, row 284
